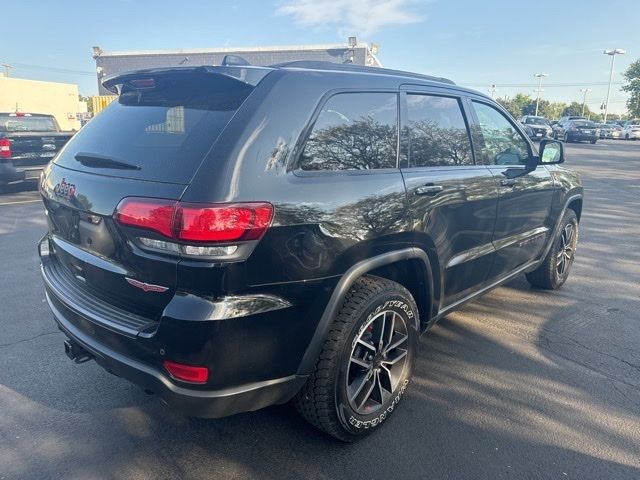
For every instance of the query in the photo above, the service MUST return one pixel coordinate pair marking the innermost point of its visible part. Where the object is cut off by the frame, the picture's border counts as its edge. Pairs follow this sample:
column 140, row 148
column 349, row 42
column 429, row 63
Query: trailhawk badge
column 146, row 287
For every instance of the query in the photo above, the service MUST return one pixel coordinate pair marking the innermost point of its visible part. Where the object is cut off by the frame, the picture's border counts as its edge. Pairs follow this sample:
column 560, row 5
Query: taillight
column 196, row 223
column 187, row 373
column 156, row 215
column 5, row 148
column 223, row 223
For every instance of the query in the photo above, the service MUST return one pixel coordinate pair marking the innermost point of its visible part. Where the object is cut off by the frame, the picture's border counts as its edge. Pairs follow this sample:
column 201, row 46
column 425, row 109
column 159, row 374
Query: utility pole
column 6, row 67
column 493, row 90
column 612, row 53
column 540, row 77
column 584, row 97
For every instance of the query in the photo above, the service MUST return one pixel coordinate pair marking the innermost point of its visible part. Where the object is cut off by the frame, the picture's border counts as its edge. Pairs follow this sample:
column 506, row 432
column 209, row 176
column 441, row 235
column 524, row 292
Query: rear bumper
column 193, row 402
column 252, row 359
column 9, row 173
column 582, row 136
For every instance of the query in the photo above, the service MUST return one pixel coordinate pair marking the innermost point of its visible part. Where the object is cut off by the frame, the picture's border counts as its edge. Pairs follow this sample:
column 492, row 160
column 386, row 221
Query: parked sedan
column 580, row 131
column 609, row 130
column 630, row 132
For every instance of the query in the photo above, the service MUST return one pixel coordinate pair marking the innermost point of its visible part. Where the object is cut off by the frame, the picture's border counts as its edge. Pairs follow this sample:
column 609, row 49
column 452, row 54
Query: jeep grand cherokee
column 237, row 237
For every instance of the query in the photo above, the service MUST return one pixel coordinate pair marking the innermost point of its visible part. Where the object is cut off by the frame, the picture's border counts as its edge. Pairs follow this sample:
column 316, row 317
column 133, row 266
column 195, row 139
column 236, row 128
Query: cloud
column 361, row 17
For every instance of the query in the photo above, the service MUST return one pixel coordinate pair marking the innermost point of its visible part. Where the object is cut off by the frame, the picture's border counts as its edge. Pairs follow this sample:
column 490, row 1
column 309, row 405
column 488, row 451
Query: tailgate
column 35, row 149
column 91, row 253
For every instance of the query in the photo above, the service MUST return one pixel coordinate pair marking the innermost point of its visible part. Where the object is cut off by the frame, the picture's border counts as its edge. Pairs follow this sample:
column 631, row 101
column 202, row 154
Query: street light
column 584, row 97
column 613, row 53
column 540, row 77
column 492, row 90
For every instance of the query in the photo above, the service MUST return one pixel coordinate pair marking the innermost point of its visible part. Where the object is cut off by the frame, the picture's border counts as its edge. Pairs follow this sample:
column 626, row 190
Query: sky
column 474, row 43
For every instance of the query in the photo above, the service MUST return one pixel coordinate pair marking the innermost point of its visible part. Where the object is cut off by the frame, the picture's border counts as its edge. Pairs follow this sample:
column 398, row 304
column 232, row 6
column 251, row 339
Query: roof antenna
column 183, row 61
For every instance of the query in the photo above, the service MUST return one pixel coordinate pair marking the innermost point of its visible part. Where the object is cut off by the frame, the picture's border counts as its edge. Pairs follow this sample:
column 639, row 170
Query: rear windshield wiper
column 100, row 161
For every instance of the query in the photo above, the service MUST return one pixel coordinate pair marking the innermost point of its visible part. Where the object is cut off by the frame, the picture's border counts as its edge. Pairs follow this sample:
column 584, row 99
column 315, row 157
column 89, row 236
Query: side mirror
column 551, row 152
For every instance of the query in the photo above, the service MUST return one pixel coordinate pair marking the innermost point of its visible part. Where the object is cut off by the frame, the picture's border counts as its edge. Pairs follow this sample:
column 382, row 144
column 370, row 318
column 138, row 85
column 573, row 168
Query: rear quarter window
column 164, row 131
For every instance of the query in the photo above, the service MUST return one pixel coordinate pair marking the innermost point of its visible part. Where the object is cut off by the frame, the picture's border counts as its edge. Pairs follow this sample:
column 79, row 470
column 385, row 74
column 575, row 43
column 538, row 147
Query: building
column 111, row 63
column 34, row 96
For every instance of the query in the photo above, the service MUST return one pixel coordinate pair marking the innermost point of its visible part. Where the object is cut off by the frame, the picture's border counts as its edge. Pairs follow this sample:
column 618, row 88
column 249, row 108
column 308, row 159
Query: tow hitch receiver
column 75, row 352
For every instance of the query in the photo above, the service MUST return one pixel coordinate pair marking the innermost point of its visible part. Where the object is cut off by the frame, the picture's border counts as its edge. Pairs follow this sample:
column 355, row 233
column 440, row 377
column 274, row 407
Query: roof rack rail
column 349, row 67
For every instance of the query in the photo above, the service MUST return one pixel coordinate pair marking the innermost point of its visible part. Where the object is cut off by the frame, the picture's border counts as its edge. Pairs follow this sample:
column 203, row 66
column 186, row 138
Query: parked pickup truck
column 27, row 142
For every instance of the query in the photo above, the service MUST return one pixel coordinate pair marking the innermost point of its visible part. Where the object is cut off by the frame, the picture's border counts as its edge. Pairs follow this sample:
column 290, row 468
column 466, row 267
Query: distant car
column 630, row 131
column 27, row 142
column 609, row 130
column 580, row 131
column 559, row 127
column 536, row 127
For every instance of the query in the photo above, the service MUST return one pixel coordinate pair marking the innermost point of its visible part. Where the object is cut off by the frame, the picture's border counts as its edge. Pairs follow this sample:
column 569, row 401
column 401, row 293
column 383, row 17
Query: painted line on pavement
column 19, row 202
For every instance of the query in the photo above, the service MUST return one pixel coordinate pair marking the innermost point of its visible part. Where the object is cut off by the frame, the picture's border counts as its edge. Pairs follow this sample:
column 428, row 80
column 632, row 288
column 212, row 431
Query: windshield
column 536, row 121
column 584, row 123
column 164, row 130
column 16, row 123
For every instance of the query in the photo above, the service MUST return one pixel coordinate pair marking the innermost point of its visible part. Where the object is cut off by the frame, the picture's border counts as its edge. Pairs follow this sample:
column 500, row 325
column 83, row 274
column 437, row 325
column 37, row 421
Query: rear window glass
column 15, row 123
column 584, row 123
column 161, row 133
column 536, row 121
column 354, row 131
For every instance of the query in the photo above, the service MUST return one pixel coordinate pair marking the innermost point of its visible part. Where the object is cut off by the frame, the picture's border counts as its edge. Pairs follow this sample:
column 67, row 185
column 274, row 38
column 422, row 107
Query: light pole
column 540, row 77
column 584, row 97
column 613, row 53
column 493, row 90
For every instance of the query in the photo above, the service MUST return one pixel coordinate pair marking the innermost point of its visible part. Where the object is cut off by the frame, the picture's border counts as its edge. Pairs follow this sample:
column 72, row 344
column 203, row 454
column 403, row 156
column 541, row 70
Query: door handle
column 429, row 189
column 508, row 182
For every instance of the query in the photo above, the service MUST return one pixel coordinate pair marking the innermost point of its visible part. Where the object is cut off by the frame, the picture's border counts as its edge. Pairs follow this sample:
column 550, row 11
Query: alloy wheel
column 565, row 255
column 377, row 362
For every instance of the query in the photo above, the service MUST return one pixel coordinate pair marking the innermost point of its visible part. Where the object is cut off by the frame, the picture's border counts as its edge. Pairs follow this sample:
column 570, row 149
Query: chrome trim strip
column 479, row 251
column 471, row 254
column 507, row 241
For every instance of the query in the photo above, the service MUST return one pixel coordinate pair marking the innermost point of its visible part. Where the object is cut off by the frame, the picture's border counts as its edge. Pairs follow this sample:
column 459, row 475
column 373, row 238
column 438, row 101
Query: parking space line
column 19, row 202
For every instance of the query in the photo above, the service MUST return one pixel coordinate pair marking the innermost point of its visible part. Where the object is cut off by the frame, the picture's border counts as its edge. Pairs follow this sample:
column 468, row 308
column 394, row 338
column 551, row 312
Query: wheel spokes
column 376, row 363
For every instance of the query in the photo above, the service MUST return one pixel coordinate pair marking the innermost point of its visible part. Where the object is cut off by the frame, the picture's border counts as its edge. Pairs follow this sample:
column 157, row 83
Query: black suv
column 237, row 237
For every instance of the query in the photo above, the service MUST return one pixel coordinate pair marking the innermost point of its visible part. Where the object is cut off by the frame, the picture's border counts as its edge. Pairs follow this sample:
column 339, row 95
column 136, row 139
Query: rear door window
column 354, row 131
column 161, row 133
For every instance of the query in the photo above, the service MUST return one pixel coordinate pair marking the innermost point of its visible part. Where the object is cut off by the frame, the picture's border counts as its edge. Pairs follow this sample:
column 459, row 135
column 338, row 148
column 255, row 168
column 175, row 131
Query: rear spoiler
column 245, row 75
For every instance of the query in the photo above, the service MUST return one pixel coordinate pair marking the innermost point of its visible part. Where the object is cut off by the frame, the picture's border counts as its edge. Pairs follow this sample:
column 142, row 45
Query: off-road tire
column 324, row 400
column 548, row 275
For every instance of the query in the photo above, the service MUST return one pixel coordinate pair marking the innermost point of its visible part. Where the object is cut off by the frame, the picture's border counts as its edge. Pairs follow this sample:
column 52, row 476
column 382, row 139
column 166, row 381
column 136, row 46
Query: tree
column 574, row 109
column 519, row 105
column 632, row 76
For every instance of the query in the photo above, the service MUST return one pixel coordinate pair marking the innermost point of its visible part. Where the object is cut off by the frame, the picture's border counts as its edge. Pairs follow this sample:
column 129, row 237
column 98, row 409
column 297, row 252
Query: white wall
column 32, row 96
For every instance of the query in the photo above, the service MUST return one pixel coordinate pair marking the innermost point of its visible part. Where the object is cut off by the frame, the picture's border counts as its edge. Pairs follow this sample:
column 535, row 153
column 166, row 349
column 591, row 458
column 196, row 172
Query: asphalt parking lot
column 519, row 384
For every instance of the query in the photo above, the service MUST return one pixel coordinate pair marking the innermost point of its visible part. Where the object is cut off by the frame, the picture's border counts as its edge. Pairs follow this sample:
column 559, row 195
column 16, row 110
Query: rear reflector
column 187, row 373
column 5, row 148
column 219, row 223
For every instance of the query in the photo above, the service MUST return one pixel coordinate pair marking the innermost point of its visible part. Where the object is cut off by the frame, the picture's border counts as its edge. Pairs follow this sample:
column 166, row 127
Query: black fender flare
column 307, row 364
column 567, row 201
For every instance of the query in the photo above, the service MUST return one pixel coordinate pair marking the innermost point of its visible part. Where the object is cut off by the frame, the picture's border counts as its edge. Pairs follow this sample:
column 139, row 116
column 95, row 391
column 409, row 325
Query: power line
column 528, row 85
column 26, row 66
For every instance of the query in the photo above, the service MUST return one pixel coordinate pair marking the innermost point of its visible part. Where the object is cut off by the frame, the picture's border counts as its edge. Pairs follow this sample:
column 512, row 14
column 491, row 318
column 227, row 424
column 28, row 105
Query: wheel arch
column 576, row 206
column 391, row 265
